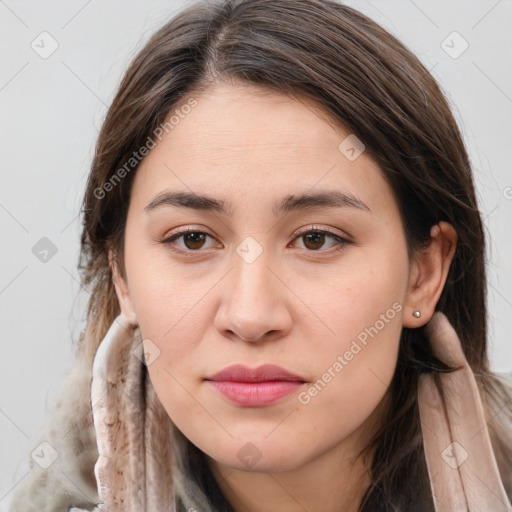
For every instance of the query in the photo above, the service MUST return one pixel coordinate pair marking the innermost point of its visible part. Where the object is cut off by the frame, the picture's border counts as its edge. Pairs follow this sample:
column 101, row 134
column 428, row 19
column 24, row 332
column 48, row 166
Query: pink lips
column 255, row 387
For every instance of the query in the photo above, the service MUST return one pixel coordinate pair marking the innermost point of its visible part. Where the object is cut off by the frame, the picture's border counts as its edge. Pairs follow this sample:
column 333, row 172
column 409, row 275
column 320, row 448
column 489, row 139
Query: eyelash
column 341, row 242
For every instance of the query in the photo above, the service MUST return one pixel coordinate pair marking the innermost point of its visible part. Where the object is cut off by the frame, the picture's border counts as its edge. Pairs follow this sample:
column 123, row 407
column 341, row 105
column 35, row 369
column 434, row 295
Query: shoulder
column 70, row 436
column 499, row 421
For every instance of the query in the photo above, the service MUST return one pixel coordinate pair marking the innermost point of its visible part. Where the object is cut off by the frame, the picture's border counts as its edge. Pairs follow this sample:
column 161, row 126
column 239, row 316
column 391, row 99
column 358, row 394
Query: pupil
column 195, row 238
column 315, row 238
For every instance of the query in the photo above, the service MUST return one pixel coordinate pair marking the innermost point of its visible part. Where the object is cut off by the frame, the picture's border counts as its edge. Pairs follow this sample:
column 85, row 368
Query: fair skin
column 300, row 304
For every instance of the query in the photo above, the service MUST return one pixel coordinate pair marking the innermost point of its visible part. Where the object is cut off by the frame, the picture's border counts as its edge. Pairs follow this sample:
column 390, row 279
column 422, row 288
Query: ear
column 428, row 274
column 122, row 291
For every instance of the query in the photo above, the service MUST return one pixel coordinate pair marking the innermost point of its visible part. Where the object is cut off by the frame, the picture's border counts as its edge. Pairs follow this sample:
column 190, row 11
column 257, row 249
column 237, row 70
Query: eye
column 194, row 240
column 314, row 238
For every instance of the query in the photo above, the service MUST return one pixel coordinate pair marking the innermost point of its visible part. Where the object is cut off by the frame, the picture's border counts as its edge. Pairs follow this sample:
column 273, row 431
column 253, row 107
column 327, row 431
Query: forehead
column 247, row 117
column 249, row 141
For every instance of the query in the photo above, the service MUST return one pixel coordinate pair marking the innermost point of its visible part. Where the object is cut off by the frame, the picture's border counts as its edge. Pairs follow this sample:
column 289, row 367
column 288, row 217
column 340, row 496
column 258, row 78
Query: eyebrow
column 331, row 199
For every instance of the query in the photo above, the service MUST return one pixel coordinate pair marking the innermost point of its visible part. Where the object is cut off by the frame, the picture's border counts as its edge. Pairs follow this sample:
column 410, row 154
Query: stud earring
column 417, row 314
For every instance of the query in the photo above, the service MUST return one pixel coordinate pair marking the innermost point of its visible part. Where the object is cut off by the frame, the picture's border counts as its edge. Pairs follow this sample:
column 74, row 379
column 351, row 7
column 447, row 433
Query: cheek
column 168, row 298
column 363, row 303
column 355, row 365
column 356, row 359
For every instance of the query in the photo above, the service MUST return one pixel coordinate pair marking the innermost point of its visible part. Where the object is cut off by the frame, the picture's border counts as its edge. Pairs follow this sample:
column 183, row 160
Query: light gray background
column 51, row 110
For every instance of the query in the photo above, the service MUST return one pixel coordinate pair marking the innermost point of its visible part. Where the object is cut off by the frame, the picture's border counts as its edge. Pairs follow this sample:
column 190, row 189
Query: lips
column 255, row 387
column 265, row 373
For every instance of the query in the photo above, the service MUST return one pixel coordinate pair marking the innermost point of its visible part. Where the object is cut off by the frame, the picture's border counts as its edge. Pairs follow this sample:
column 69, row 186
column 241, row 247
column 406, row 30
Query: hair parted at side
column 366, row 80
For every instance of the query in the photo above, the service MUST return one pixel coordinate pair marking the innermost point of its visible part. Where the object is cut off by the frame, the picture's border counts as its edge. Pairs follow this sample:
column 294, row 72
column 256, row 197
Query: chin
column 255, row 458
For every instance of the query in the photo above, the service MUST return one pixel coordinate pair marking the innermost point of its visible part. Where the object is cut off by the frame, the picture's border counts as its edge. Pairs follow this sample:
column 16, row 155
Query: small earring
column 417, row 314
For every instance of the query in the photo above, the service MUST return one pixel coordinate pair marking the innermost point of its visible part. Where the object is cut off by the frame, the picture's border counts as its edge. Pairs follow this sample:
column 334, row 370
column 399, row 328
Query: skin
column 299, row 304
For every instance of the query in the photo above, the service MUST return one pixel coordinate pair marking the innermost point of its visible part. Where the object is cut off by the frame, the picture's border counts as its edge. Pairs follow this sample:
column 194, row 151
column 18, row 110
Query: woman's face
column 260, row 281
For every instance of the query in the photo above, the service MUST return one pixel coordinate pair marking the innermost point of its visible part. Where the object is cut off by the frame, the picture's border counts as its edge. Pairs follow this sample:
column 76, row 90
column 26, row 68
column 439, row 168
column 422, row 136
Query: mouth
column 255, row 387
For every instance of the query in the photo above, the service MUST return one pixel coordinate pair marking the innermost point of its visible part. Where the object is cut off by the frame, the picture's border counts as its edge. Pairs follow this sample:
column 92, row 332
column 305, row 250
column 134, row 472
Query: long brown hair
column 372, row 84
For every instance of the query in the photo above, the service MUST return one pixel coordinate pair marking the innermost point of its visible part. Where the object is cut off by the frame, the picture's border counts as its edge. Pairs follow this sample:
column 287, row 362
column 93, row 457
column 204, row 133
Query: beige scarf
column 461, row 463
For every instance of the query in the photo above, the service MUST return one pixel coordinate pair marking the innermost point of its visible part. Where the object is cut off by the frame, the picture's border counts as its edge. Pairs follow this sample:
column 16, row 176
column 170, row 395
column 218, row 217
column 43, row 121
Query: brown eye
column 191, row 241
column 314, row 240
column 194, row 240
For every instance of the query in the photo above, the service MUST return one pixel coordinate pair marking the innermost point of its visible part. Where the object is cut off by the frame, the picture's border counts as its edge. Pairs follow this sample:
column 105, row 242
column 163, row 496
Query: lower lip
column 255, row 394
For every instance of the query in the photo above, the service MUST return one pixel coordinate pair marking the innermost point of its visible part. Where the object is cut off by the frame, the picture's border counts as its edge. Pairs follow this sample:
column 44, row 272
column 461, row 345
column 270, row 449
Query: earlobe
column 428, row 275
column 122, row 291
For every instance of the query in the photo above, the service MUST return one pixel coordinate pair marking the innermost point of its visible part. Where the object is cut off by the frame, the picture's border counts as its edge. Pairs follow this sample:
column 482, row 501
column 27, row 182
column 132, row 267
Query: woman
column 279, row 202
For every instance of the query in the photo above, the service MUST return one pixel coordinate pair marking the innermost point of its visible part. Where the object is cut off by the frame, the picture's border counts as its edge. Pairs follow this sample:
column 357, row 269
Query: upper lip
column 264, row 373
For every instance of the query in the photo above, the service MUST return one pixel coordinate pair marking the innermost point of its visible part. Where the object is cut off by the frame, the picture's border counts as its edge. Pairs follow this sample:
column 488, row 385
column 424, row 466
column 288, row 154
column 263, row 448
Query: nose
column 254, row 305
